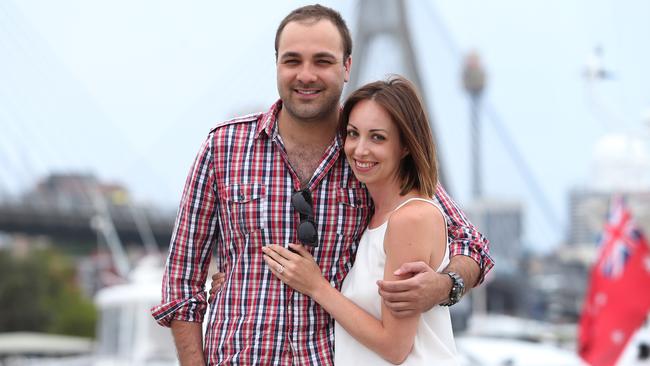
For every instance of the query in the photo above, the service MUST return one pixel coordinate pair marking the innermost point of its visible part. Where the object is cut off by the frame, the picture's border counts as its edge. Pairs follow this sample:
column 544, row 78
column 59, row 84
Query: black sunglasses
column 303, row 203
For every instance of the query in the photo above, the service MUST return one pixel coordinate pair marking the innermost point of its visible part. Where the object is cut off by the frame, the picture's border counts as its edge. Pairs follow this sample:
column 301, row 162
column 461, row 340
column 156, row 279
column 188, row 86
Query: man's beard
column 314, row 111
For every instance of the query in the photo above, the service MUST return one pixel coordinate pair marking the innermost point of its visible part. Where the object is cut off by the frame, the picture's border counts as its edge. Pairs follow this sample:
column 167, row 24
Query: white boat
column 127, row 334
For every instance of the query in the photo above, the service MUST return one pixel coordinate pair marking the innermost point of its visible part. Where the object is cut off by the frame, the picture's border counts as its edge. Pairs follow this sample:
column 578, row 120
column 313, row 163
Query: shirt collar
column 268, row 121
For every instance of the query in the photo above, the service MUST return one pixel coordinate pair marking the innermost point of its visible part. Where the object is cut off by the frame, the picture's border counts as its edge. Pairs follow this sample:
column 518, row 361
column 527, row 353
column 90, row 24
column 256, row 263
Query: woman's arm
column 408, row 238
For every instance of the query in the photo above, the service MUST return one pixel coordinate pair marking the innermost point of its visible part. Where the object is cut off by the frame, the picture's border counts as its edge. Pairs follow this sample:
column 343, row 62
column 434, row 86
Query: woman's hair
column 399, row 98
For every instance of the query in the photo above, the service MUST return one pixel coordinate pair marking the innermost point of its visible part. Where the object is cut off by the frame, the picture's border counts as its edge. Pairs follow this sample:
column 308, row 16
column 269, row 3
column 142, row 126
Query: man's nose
column 307, row 74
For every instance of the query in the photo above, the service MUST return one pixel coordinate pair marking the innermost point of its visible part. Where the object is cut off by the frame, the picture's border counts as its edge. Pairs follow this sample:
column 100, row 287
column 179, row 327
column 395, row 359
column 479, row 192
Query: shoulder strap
column 413, row 199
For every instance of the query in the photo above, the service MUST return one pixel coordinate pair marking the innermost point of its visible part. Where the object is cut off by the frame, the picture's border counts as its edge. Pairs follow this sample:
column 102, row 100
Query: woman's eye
column 352, row 133
column 378, row 137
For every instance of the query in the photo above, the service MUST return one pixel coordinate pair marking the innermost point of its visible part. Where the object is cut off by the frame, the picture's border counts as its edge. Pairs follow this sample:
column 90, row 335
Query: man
column 238, row 195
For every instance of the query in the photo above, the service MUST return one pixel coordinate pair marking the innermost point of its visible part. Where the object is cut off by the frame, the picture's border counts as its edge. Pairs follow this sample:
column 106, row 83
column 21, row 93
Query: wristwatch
column 457, row 288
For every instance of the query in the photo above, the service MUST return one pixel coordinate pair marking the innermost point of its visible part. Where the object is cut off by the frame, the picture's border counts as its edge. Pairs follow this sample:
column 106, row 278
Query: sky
column 128, row 90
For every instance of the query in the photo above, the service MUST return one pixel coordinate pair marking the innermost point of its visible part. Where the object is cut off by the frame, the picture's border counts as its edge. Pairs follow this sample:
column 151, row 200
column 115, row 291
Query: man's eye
column 324, row 62
column 291, row 62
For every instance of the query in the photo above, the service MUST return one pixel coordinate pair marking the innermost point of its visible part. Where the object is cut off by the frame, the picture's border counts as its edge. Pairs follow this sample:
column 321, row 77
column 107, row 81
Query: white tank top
column 434, row 341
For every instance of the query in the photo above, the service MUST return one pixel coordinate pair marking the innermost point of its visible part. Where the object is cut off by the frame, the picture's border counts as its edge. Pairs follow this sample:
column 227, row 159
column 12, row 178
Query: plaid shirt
column 238, row 197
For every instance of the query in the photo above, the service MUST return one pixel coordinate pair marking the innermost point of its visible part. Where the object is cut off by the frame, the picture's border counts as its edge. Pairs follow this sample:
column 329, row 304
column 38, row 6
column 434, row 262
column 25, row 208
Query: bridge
column 79, row 208
column 79, row 224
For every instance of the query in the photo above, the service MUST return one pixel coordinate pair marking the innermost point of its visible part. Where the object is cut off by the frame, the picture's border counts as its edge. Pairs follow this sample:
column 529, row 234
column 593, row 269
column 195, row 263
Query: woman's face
column 373, row 145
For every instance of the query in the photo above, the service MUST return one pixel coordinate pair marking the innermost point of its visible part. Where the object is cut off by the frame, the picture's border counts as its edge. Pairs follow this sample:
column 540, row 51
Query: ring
column 280, row 269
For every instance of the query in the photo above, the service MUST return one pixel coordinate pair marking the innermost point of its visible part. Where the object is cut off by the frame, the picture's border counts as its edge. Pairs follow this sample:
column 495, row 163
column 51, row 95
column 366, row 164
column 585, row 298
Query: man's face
column 311, row 70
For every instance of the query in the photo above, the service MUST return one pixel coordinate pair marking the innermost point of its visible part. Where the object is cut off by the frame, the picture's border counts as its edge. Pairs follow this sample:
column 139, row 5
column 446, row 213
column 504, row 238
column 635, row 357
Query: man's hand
column 217, row 281
column 417, row 294
column 426, row 288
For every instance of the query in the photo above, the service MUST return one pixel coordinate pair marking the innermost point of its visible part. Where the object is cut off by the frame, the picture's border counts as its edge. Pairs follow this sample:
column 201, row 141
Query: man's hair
column 399, row 98
column 315, row 13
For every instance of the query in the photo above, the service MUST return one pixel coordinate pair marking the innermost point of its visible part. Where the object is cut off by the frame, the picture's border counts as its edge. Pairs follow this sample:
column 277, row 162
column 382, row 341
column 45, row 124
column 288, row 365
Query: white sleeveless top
column 434, row 341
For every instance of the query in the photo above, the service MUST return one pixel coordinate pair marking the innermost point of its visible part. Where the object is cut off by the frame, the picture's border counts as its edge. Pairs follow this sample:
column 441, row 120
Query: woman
column 388, row 143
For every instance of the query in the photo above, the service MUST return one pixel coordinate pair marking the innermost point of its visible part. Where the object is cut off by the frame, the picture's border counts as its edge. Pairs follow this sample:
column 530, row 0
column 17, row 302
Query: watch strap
column 457, row 289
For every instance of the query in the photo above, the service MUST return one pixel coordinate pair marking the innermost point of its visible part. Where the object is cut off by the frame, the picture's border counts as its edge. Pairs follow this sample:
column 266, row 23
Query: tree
column 38, row 293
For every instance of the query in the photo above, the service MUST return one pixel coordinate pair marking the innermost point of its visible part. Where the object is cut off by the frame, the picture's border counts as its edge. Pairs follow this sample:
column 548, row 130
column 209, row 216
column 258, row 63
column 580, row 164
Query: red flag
column 618, row 299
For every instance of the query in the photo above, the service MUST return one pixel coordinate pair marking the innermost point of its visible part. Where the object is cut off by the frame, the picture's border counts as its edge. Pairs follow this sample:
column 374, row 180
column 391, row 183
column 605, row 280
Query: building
column 588, row 209
column 502, row 222
column 74, row 191
column 620, row 166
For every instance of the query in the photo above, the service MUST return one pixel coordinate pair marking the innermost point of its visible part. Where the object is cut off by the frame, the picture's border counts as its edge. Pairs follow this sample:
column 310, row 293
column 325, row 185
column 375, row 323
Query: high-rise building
column 502, row 222
column 588, row 209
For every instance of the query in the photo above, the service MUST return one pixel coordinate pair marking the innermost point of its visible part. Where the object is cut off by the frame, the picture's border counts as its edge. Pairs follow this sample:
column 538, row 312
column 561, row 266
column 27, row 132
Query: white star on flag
column 617, row 336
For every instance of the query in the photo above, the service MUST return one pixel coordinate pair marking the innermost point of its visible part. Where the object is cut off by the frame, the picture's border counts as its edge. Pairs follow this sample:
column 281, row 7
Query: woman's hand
column 296, row 268
column 217, row 281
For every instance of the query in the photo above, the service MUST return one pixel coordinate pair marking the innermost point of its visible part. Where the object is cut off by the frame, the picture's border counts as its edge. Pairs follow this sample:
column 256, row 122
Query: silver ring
column 280, row 269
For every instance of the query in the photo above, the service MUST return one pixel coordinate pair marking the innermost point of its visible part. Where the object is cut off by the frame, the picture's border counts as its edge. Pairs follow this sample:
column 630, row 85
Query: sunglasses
column 303, row 203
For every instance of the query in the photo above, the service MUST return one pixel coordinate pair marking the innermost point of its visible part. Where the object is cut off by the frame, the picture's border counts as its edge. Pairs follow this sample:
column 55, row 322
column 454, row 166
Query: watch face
column 456, row 295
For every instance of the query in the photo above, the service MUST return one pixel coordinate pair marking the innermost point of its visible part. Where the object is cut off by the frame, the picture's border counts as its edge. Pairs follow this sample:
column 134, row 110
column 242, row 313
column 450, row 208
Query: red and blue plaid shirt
column 237, row 198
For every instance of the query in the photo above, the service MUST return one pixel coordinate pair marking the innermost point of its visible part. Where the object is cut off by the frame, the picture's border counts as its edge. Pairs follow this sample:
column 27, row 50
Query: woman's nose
column 361, row 148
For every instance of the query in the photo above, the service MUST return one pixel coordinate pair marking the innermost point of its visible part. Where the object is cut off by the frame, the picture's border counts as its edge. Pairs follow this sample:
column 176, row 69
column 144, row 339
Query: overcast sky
column 129, row 89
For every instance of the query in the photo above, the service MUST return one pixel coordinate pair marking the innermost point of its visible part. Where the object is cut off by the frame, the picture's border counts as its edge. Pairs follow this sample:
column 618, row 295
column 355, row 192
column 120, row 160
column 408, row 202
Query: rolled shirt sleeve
column 465, row 237
column 183, row 292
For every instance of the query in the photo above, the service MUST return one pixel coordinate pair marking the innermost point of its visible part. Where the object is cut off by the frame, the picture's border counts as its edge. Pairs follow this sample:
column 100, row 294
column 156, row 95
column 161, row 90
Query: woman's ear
column 405, row 152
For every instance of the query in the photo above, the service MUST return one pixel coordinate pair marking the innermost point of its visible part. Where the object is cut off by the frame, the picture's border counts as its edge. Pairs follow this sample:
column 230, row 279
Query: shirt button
column 358, row 202
column 241, row 197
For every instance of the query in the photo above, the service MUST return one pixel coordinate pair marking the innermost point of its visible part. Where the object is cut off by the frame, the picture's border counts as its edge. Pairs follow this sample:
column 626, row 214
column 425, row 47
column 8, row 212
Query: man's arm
column 467, row 268
column 426, row 288
column 465, row 241
column 188, row 339
column 183, row 297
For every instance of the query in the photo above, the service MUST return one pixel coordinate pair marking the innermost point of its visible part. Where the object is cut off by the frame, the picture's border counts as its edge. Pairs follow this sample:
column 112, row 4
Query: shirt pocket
column 247, row 207
column 353, row 205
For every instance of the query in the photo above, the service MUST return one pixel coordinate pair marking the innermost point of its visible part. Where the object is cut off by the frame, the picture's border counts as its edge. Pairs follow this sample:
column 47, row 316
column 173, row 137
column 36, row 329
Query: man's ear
column 347, row 65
